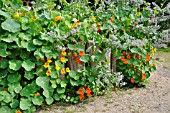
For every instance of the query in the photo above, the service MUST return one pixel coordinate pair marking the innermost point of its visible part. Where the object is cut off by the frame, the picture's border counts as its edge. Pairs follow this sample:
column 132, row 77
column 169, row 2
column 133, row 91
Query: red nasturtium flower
column 143, row 77
column 99, row 31
column 132, row 80
column 123, row 53
column 18, row 111
column 81, row 53
column 131, row 65
column 0, row 58
column 148, row 57
column 128, row 57
column 122, row 59
column 81, row 96
column 88, row 90
column 78, row 60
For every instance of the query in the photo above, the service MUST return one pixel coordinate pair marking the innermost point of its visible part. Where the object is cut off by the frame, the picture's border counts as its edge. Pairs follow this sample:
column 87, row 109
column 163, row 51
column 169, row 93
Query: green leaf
column 8, row 97
column 63, row 84
column 11, row 25
column 15, row 64
column 13, row 77
column 38, row 54
column 46, row 93
column 49, row 100
column 135, row 50
column 5, row 14
column 25, row 104
column 26, row 91
column 37, row 100
column 28, row 65
column 37, row 42
column 60, row 90
column 84, row 58
column 43, row 82
column 3, row 47
column 71, row 46
column 15, row 86
column 91, row 78
column 80, row 47
column 29, row 75
column 4, row 63
column 74, row 82
column 5, row 109
column 56, row 97
column 14, row 103
column 73, row 74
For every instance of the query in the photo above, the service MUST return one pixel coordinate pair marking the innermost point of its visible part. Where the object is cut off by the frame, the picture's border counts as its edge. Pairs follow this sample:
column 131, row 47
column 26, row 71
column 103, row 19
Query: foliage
column 38, row 48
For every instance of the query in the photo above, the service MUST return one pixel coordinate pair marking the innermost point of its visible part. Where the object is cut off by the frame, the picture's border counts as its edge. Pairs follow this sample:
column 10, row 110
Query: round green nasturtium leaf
column 37, row 42
column 85, row 58
column 60, row 90
column 56, row 97
column 4, row 63
column 8, row 97
column 28, row 65
column 5, row 109
column 49, row 100
column 13, row 77
column 15, row 64
column 11, row 25
column 15, row 87
column 14, row 103
column 73, row 74
column 74, row 82
column 46, row 93
column 71, row 46
column 25, row 104
column 37, row 100
column 38, row 54
column 29, row 75
column 43, row 82
column 63, row 84
column 3, row 47
column 26, row 91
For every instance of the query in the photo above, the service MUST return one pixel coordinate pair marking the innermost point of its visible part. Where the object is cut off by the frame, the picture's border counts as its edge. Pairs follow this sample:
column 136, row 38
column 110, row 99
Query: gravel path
column 155, row 98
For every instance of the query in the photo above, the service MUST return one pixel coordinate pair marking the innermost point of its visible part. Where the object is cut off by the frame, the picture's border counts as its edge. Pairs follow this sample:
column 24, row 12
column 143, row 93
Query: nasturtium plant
column 68, row 51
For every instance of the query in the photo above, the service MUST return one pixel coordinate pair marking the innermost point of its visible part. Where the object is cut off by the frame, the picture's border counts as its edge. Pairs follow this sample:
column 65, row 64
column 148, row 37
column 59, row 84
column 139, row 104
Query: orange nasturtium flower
column 125, row 61
column 88, row 94
column 134, row 23
column 75, row 54
column 18, row 111
column 63, row 60
column 57, row 67
column 5, row 89
column 57, row 18
column 37, row 94
column 46, row 65
column 153, row 65
column 112, row 20
column 62, row 71
column 148, row 57
column 88, row 90
column 132, row 80
column 81, row 53
column 48, row 72
column 42, row 59
column 123, row 53
column 63, row 53
column 67, row 70
column 80, row 91
column 143, row 77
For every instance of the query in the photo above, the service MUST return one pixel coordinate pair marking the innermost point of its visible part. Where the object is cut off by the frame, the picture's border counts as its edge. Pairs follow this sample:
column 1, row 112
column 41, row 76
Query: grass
column 164, row 49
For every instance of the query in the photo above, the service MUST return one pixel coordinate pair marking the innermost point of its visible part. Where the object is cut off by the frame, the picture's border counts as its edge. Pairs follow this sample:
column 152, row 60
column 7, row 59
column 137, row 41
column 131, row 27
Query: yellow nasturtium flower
column 46, row 65
column 93, row 18
column 63, row 60
column 63, row 53
column 16, row 15
column 62, row 71
column 67, row 70
column 57, row 67
column 49, row 61
column 48, row 72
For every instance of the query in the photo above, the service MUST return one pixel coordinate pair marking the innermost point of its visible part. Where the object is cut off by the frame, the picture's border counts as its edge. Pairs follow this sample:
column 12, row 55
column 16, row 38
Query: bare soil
column 155, row 98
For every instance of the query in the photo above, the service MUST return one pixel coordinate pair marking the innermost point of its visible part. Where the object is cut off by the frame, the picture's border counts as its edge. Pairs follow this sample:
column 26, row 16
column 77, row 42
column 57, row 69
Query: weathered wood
column 113, row 62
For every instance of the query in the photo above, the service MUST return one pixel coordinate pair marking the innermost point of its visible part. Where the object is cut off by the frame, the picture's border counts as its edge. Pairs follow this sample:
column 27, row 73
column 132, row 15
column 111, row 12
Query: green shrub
column 48, row 54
